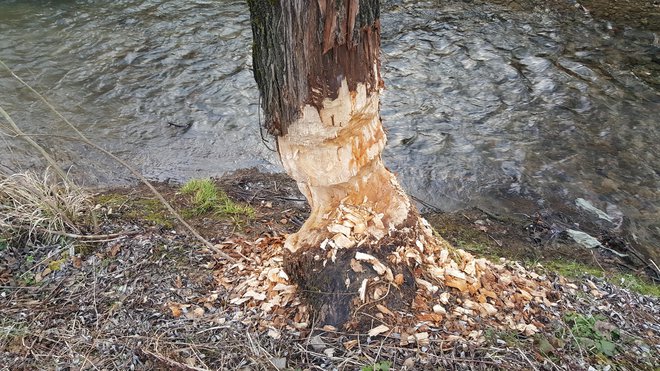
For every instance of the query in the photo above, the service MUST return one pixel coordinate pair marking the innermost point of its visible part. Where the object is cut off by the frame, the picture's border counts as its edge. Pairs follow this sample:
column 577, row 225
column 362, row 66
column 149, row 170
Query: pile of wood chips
column 458, row 296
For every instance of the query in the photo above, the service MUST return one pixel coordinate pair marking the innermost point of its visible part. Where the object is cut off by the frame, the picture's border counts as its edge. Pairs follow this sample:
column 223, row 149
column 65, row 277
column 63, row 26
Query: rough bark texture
column 304, row 49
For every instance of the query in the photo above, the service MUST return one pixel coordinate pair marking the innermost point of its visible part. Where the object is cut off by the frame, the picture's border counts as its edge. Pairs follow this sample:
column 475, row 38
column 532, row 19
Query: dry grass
column 40, row 208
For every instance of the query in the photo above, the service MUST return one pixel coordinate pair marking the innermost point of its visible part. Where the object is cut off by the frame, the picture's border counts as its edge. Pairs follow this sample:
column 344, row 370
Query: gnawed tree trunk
column 317, row 66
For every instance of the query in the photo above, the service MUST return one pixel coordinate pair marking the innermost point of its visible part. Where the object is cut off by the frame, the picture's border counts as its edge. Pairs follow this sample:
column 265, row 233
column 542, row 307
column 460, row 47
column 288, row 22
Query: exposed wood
column 318, row 69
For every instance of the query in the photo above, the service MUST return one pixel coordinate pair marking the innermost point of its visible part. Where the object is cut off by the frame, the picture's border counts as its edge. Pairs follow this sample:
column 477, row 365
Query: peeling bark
column 318, row 70
column 304, row 49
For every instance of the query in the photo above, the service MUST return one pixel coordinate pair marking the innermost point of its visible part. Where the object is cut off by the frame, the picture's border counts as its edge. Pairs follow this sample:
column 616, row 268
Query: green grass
column 571, row 269
column 636, row 284
column 207, row 198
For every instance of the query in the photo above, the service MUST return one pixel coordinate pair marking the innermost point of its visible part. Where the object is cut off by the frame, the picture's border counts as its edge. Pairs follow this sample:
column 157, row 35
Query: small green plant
column 28, row 278
column 594, row 333
column 207, row 198
column 636, row 284
column 378, row 366
column 205, row 195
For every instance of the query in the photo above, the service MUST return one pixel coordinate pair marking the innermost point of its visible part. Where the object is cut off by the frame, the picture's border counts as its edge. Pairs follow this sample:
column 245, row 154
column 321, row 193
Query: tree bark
column 317, row 65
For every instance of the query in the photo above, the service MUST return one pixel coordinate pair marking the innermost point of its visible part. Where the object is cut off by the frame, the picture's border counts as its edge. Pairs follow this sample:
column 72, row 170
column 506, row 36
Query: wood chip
column 340, row 228
column 363, row 290
column 378, row 330
column 383, row 309
column 356, row 266
column 439, row 309
column 360, row 256
column 455, row 273
column 456, row 283
column 343, row 242
column 432, row 289
column 350, row 344
column 422, row 338
column 398, row 279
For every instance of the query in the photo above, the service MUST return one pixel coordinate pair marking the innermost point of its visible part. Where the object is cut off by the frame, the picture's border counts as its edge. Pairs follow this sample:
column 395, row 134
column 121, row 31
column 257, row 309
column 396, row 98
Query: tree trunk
column 317, row 66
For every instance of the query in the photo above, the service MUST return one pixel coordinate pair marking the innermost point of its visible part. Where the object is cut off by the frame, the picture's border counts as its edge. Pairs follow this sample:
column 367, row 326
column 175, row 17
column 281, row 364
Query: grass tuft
column 39, row 208
column 206, row 198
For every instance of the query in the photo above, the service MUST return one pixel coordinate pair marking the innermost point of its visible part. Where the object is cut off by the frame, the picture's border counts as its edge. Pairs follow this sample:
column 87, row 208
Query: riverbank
column 141, row 293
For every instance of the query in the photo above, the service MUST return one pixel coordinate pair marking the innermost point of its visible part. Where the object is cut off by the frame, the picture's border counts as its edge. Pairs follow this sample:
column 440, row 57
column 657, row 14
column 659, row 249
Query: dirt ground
column 147, row 296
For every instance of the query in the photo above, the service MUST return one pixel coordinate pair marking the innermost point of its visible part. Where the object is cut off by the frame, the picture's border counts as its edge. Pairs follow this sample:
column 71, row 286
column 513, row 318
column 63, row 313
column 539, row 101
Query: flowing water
column 484, row 105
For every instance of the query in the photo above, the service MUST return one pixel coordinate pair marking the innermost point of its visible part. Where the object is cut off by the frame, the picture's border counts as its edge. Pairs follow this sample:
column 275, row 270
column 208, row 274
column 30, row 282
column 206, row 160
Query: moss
column 112, row 199
column 151, row 210
column 572, row 269
column 56, row 265
column 13, row 330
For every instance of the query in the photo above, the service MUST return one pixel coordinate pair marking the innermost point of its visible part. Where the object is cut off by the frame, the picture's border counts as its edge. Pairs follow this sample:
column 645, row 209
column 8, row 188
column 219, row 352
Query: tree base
column 340, row 285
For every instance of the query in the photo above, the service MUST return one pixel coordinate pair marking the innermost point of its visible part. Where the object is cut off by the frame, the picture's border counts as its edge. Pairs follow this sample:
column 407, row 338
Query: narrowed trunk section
column 317, row 66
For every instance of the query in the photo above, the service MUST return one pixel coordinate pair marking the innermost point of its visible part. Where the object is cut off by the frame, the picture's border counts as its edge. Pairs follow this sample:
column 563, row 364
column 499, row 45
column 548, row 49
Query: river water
column 485, row 106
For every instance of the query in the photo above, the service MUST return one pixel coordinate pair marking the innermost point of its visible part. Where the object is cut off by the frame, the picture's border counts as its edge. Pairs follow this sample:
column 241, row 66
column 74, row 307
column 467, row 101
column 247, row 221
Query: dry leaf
column 198, row 312
column 255, row 295
column 329, row 328
column 488, row 308
column 378, row 293
column 176, row 309
column 114, row 250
